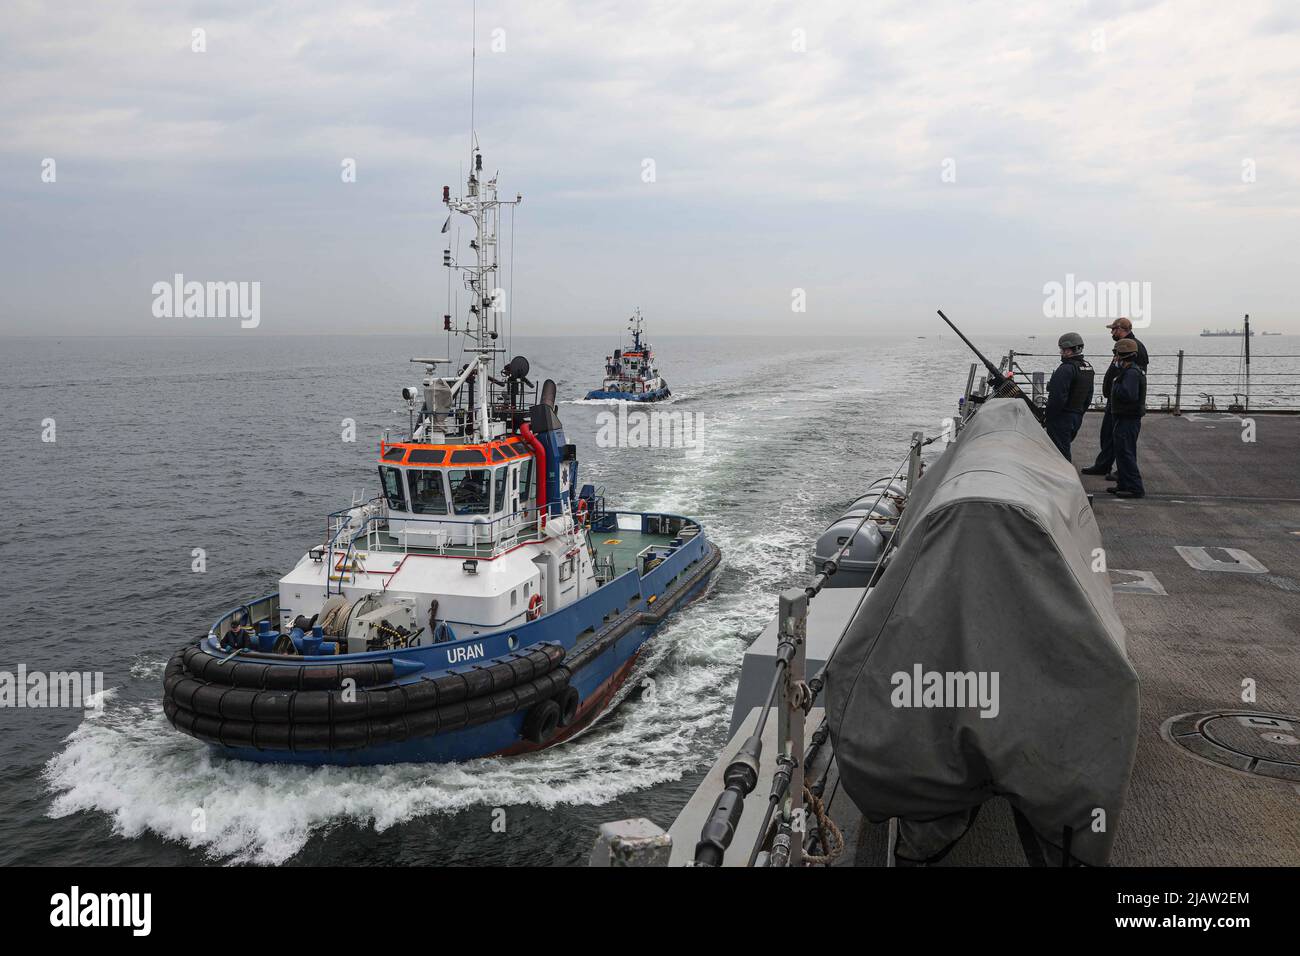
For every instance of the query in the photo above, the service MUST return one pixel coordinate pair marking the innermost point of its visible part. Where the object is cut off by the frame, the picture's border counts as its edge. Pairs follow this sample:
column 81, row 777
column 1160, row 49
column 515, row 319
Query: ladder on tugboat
column 352, row 561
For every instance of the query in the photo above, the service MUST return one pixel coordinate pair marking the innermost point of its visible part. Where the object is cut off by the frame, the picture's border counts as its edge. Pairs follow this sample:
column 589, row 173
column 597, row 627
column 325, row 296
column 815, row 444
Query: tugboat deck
column 625, row 545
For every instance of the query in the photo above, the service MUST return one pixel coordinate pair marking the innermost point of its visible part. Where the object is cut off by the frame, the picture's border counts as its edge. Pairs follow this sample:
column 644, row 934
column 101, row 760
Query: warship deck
column 1204, row 627
column 1197, row 638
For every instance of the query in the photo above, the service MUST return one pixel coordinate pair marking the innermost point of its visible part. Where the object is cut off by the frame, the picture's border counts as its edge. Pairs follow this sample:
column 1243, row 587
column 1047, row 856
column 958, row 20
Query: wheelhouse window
column 471, row 490
column 427, row 456
column 526, row 480
column 500, row 478
column 394, row 490
column 428, row 494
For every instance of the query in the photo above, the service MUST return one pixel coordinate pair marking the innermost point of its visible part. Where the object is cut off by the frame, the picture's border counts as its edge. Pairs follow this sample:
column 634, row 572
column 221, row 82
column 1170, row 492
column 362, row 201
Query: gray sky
column 1114, row 141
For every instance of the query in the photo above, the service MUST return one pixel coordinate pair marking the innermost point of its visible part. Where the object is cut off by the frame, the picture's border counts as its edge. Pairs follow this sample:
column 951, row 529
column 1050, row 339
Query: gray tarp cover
column 994, row 573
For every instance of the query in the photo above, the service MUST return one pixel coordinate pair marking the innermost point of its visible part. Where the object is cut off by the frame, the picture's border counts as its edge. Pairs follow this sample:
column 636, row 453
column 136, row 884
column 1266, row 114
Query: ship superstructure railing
column 482, row 539
column 1185, row 381
column 784, row 838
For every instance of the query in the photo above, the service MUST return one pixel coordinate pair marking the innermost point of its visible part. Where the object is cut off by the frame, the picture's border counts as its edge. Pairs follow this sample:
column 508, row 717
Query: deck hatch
column 1260, row 744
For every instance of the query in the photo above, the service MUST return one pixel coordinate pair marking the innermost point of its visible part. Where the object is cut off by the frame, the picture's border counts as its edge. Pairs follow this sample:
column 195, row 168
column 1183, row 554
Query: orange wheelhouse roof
column 489, row 453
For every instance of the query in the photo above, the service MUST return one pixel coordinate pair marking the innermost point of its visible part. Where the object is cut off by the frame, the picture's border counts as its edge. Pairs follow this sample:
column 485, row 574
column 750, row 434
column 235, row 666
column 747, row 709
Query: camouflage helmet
column 1125, row 347
column 1070, row 340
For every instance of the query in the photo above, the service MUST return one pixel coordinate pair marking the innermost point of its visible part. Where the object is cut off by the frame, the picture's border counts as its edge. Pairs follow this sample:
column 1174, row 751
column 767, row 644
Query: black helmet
column 1070, row 340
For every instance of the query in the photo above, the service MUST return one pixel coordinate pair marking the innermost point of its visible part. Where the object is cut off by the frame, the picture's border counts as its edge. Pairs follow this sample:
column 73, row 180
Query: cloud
column 794, row 145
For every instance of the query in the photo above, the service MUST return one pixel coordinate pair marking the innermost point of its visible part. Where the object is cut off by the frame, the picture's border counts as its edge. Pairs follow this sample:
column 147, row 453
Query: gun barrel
column 994, row 371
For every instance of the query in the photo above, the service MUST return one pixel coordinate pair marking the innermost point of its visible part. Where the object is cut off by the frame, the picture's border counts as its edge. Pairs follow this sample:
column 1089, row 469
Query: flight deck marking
column 1237, row 561
column 1146, row 583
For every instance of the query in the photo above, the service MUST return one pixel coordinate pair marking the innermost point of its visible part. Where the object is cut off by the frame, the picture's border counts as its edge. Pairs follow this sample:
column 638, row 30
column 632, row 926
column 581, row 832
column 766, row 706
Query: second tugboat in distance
column 631, row 374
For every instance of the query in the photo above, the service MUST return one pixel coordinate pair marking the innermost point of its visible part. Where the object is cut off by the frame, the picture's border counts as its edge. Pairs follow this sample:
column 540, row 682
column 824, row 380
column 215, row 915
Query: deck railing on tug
column 486, row 539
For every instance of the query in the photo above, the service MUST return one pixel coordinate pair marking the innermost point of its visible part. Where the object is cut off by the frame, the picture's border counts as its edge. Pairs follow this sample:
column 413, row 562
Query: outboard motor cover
column 859, row 561
column 880, row 505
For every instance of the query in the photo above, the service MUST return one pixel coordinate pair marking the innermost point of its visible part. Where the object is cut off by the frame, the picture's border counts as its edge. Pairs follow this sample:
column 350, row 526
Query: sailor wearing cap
column 1069, row 393
column 1120, row 329
column 1128, row 399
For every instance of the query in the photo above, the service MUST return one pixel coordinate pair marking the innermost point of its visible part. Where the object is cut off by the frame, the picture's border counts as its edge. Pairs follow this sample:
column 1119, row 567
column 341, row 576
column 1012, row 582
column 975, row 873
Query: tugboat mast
column 635, row 324
column 487, row 300
column 482, row 323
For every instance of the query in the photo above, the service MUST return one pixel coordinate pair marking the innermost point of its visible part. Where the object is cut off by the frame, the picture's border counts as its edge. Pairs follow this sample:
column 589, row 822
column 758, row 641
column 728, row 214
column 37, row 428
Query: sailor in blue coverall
column 1069, row 393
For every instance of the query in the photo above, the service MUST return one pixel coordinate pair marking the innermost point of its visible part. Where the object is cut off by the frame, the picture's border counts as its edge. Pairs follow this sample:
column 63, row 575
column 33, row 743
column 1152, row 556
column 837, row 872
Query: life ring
column 534, row 607
column 581, row 516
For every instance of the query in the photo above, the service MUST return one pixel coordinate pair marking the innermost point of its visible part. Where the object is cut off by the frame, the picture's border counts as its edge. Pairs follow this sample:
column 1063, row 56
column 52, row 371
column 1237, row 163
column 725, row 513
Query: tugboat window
column 393, row 489
column 468, row 456
column 526, row 482
column 500, row 480
column 427, row 456
column 470, row 490
column 428, row 495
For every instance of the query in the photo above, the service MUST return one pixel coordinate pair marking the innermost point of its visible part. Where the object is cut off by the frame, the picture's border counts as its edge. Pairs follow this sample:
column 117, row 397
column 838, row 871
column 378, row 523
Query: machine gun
column 1005, row 384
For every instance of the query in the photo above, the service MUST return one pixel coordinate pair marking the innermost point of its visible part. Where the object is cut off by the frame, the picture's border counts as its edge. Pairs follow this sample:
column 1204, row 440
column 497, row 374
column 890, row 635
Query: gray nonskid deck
column 1195, row 645
column 1192, row 645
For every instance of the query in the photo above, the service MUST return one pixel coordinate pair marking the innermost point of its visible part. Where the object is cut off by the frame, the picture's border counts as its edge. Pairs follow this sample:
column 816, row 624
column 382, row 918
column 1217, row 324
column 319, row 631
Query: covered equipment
column 989, row 659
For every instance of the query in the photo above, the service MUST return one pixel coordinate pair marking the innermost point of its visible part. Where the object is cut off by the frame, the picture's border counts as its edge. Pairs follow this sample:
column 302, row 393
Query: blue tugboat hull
column 592, row 646
column 658, row 395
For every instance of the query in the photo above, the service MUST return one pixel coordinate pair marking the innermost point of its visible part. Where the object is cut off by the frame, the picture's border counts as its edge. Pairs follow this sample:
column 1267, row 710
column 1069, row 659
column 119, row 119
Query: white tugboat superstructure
column 462, row 484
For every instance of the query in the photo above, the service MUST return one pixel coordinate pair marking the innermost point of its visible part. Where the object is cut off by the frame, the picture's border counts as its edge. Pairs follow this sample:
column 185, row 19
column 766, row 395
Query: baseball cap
column 1124, row 324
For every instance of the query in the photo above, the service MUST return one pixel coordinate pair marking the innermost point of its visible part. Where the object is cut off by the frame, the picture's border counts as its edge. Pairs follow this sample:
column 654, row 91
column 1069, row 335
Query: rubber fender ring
column 568, row 701
column 542, row 721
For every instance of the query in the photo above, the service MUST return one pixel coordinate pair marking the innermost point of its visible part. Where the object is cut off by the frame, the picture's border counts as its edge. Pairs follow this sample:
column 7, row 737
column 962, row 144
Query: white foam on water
column 146, row 666
column 132, row 766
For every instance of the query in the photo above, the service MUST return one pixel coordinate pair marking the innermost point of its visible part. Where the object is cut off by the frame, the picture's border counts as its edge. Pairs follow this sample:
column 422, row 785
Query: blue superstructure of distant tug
column 631, row 374
column 483, row 603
